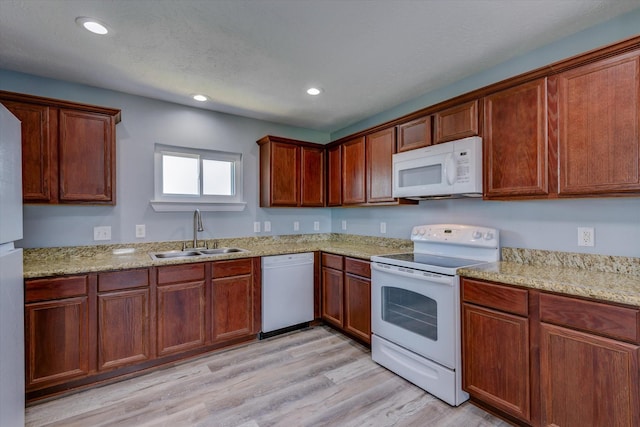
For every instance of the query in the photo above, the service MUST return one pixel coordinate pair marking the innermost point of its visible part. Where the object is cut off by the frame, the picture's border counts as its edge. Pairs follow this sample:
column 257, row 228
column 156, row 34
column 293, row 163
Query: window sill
column 170, row 206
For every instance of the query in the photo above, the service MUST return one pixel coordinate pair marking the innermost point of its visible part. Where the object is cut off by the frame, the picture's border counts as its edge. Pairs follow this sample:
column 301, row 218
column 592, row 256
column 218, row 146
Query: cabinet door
column 285, row 174
column 57, row 343
column 332, row 296
column 598, row 119
column 353, row 172
column 515, row 141
column 358, row 306
column 232, row 307
column 39, row 170
column 415, row 134
column 312, row 177
column 180, row 317
column 495, row 359
column 588, row 380
column 380, row 147
column 86, row 157
column 334, row 176
column 123, row 328
column 457, row 122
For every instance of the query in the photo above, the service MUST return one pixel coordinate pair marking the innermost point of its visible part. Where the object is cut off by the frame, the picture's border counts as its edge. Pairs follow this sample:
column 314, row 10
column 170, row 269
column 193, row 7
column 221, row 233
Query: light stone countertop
column 46, row 262
column 600, row 277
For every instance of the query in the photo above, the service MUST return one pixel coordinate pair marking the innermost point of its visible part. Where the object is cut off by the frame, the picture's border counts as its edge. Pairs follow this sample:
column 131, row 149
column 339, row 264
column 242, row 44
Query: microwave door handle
column 450, row 171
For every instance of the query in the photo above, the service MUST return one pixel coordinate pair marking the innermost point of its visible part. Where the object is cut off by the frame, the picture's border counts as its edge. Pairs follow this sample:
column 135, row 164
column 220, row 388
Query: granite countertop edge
column 598, row 285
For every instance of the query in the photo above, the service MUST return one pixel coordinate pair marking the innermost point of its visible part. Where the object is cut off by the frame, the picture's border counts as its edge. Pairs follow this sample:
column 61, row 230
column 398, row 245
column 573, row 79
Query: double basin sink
column 194, row 253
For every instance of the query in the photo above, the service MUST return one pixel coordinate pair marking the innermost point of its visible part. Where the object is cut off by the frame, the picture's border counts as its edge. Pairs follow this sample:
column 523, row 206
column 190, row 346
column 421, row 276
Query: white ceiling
column 257, row 57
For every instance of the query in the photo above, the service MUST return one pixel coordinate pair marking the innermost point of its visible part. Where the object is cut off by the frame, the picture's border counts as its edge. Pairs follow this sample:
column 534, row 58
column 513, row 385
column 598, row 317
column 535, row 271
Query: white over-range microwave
column 448, row 170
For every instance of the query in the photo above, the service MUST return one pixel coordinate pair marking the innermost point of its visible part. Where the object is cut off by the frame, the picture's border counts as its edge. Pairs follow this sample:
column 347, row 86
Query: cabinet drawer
column 499, row 297
column 332, row 261
column 126, row 279
column 235, row 267
column 603, row 319
column 358, row 267
column 57, row 288
column 180, row 273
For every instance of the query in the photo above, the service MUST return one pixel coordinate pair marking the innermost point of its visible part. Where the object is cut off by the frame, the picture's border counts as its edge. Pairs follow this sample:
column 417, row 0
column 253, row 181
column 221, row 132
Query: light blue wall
column 144, row 122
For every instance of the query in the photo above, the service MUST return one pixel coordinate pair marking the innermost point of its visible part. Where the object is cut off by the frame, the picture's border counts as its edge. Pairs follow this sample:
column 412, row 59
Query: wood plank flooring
column 314, row 377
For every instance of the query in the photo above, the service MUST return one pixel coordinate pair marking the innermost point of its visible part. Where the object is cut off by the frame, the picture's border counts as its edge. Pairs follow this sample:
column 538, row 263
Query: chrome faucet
column 197, row 226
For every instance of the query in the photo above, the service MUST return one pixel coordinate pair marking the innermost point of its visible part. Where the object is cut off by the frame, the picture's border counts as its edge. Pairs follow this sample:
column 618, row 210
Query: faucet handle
column 184, row 246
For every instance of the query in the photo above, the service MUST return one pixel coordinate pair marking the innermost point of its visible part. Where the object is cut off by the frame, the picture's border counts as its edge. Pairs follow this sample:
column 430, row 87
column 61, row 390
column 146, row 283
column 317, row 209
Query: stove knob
column 422, row 231
column 488, row 235
column 415, row 231
column 476, row 234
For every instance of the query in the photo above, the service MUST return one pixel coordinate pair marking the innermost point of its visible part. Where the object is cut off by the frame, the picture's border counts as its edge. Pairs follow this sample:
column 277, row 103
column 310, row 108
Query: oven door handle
column 444, row 280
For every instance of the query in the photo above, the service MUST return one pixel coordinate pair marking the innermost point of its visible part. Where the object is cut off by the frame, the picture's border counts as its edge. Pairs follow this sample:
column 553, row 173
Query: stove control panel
column 468, row 235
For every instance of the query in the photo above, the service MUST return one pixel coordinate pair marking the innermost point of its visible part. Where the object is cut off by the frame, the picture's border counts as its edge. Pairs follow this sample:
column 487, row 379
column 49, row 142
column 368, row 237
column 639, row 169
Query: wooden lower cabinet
column 496, row 359
column 346, row 295
column 85, row 329
column 587, row 380
column 564, row 362
column 181, row 299
column 57, row 341
column 235, row 297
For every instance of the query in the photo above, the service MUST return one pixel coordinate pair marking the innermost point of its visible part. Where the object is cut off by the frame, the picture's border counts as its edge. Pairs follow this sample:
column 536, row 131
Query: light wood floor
column 314, row 377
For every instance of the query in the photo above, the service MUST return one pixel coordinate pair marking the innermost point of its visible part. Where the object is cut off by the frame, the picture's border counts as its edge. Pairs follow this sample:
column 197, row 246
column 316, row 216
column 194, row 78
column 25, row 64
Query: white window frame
column 177, row 202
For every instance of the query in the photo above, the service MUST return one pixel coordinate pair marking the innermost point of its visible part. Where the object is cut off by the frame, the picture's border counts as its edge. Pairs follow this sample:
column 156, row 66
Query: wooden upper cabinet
column 415, row 134
column 380, row 147
column 457, row 122
column 515, row 141
column 38, row 149
column 68, row 150
column 86, row 157
column 354, row 172
column 334, row 176
column 599, row 124
column 312, row 176
column 291, row 173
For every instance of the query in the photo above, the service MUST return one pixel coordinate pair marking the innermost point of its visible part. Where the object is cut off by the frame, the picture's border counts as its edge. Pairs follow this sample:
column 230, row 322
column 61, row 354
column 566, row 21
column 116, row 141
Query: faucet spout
column 197, row 226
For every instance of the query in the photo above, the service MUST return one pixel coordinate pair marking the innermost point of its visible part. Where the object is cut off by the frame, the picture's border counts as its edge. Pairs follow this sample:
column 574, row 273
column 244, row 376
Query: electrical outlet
column 296, row 225
column 140, row 230
column 344, row 224
column 256, row 227
column 383, row 228
column 267, row 226
column 316, row 225
column 586, row 236
column 102, row 233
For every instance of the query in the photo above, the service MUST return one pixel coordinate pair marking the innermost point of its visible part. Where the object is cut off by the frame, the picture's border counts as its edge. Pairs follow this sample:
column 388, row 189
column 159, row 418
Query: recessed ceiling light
column 314, row 91
column 200, row 98
column 92, row 24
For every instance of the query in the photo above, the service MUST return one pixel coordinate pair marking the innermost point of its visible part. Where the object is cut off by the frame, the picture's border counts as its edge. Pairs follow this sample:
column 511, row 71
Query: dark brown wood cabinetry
column 85, row 329
column 456, row 122
column 380, row 147
column 599, row 127
column 346, row 295
column 68, row 150
column 292, row 173
column 334, row 175
column 543, row 359
column 415, row 134
column 235, row 299
column 515, row 141
column 123, row 318
column 354, row 173
column 495, row 347
column 57, row 332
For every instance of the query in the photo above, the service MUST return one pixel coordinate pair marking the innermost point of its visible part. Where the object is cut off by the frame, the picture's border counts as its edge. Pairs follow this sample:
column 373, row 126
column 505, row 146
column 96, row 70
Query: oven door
column 416, row 310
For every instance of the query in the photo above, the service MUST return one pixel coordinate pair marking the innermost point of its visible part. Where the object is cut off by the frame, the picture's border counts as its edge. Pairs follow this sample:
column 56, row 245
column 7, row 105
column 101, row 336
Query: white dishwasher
column 287, row 292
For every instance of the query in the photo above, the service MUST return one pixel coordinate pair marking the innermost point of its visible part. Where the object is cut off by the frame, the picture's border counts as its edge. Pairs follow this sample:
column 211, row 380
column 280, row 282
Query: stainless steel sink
column 193, row 253
column 221, row 251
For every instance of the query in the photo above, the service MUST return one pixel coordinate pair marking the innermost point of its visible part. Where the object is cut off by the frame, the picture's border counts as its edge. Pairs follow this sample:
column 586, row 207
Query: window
column 186, row 178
